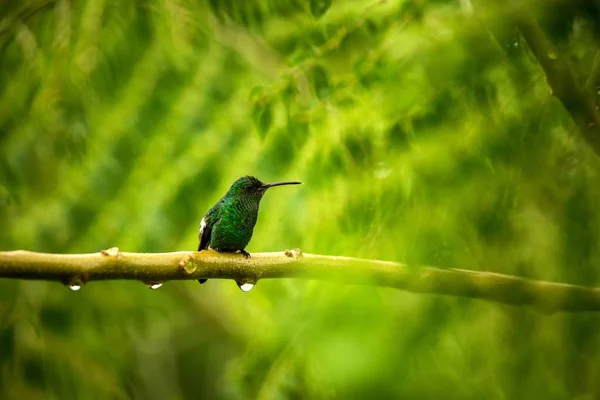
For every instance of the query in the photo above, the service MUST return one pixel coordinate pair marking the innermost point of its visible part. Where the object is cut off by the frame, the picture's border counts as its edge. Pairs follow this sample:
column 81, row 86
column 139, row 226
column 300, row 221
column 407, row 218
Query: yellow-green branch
column 77, row 269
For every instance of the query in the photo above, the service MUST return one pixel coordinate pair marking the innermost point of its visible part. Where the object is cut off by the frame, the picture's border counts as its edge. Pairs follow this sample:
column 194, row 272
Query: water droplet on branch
column 154, row 285
column 246, row 287
column 74, row 283
column 246, row 284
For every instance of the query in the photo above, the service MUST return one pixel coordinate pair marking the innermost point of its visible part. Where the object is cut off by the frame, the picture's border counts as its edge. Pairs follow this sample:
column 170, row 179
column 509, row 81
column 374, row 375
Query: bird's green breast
column 235, row 224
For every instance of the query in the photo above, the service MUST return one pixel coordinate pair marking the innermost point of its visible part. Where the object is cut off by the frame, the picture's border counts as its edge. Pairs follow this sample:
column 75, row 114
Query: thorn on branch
column 112, row 252
column 187, row 264
column 295, row 253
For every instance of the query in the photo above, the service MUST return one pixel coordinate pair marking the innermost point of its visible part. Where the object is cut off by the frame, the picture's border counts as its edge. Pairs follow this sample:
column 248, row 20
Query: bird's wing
column 206, row 226
column 204, row 234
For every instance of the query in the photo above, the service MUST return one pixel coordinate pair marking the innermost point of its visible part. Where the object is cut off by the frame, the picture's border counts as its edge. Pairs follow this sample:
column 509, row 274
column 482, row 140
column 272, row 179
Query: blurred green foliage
column 423, row 133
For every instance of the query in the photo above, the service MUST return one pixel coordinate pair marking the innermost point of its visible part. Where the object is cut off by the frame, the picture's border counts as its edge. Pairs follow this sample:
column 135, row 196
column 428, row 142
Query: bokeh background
column 424, row 132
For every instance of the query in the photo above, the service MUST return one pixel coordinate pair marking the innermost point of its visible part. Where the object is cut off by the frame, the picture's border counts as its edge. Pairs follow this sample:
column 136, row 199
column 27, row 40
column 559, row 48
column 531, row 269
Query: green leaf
column 320, row 82
column 319, row 7
column 257, row 93
column 263, row 117
column 298, row 129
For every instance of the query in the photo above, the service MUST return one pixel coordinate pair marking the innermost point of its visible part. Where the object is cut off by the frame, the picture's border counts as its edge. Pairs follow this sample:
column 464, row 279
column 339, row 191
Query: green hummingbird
column 228, row 226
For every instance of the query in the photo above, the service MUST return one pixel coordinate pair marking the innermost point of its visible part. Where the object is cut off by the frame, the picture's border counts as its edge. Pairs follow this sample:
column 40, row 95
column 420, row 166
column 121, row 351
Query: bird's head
column 251, row 187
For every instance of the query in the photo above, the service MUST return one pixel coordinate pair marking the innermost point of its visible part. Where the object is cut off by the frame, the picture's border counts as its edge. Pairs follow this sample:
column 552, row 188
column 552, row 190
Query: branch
column 594, row 77
column 77, row 269
column 563, row 83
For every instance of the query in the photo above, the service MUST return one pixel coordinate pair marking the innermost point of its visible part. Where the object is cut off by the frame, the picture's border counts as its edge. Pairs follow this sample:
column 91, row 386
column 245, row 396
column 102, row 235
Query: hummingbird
column 228, row 226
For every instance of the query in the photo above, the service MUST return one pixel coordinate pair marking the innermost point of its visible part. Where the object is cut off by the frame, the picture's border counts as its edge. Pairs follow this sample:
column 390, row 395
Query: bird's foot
column 245, row 253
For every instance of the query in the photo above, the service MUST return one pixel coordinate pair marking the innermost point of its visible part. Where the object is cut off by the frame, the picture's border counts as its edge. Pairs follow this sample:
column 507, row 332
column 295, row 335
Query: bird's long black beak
column 270, row 185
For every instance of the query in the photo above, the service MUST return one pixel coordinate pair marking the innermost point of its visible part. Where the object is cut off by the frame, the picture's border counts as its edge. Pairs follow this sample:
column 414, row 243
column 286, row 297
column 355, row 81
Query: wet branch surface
column 78, row 269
